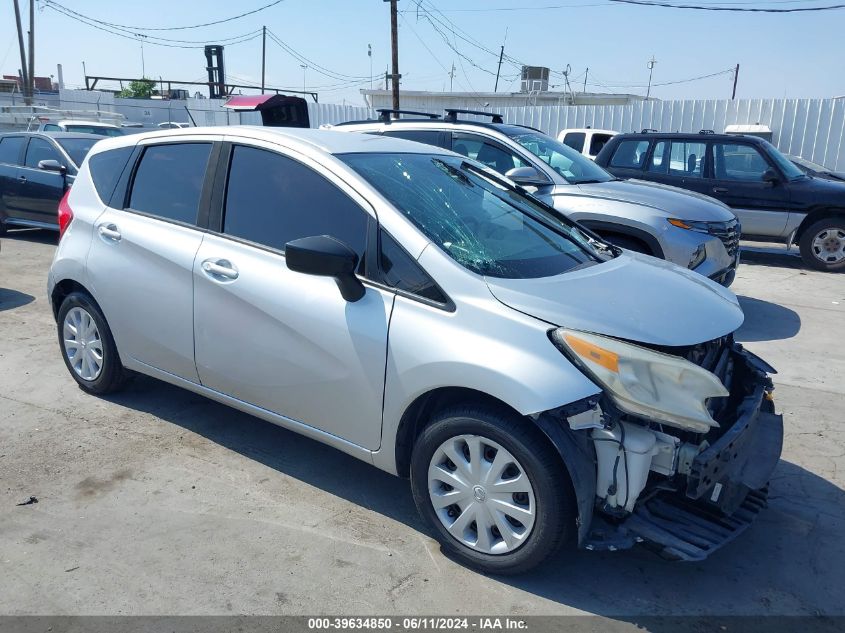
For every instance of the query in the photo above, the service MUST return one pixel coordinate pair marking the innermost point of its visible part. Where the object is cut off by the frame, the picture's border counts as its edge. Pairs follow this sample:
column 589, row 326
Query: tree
column 140, row 89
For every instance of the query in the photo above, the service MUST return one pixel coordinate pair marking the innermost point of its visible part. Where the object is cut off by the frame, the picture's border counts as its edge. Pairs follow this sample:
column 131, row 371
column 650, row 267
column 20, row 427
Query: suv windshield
column 77, row 148
column 475, row 218
column 789, row 169
column 575, row 168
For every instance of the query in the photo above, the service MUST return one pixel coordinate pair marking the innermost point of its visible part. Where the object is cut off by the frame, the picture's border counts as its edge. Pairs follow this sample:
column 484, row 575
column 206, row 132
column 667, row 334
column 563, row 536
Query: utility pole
column 263, row 54
column 650, row 71
column 370, row 55
column 394, row 45
column 23, row 72
column 31, row 48
column 499, row 69
column 736, row 76
column 451, row 76
column 586, row 74
column 304, row 77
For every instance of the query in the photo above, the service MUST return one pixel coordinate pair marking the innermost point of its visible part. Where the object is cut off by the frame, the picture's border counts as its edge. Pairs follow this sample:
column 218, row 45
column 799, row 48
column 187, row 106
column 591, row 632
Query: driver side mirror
column 325, row 256
column 527, row 177
column 770, row 177
column 52, row 165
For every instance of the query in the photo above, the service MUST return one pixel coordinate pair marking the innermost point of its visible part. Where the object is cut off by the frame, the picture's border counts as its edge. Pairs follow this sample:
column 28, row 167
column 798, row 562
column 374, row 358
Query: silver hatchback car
column 413, row 308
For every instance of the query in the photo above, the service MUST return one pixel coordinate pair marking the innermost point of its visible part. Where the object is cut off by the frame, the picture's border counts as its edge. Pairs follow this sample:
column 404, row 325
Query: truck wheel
column 822, row 245
column 87, row 346
column 493, row 489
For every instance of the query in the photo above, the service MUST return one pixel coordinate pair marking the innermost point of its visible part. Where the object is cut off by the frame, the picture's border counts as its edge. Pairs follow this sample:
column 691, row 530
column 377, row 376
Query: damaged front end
column 686, row 487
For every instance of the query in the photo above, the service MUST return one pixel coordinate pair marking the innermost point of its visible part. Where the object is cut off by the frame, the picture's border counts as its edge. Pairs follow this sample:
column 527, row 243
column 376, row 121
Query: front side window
column 272, row 199
column 630, row 154
column 734, row 161
column 789, row 169
column 400, row 271
column 52, row 127
column 486, row 151
column 169, row 179
column 687, row 159
column 38, row 150
column 10, row 149
column 575, row 140
column 485, row 226
column 574, row 167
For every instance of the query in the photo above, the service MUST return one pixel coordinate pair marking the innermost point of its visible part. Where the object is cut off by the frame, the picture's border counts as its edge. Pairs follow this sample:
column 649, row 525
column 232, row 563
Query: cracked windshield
column 483, row 225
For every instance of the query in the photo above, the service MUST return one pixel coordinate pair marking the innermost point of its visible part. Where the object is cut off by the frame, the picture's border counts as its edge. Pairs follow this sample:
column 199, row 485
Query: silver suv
column 688, row 229
column 415, row 309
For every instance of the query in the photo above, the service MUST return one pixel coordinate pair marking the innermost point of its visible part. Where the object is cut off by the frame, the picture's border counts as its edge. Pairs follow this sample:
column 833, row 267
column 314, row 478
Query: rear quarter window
column 105, row 169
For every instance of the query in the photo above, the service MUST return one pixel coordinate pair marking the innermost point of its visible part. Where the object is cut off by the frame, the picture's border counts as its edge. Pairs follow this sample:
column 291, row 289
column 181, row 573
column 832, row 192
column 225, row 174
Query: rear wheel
column 822, row 244
column 493, row 489
column 87, row 346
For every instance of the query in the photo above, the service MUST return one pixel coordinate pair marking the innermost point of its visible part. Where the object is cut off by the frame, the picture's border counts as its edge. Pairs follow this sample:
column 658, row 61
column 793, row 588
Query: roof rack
column 649, row 130
column 706, row 132
column 452, row 115
column 384, row 114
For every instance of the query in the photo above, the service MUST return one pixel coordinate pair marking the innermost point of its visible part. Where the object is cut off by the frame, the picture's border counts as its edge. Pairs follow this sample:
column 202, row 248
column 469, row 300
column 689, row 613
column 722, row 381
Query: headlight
column 690, row 225
column 643, row 382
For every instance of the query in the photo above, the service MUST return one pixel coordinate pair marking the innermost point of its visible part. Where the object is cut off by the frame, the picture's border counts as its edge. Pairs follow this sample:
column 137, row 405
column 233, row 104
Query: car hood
column 633, row 297
column 677, row 203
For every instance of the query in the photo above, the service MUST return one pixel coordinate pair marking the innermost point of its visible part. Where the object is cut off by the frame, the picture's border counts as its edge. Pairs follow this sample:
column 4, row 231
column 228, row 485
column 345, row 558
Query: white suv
column 416, row 310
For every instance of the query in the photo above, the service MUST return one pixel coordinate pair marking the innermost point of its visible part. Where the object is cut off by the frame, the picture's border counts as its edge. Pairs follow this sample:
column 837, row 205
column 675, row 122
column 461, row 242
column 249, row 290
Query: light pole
column 370, row 55
column 304, row 81
column 650, row 71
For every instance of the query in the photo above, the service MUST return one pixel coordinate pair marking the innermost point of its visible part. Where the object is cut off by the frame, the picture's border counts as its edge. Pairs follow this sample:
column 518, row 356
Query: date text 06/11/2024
column 418, row 623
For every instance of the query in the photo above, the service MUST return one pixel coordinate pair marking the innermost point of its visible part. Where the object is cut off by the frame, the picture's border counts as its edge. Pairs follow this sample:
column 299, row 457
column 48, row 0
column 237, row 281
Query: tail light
column 65, row 214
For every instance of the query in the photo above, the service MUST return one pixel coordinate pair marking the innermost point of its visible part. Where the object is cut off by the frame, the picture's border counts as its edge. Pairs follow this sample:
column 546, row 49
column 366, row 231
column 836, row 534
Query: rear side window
column 169, row 180
column 272, row 199
column 598, row 142
column 106, row 168
column 429, row 137
column 575, row 140
column 10, row 149
column 658, row 163
column 687, row 159
column 630, row 154
column 38, row 150
column 400, row 271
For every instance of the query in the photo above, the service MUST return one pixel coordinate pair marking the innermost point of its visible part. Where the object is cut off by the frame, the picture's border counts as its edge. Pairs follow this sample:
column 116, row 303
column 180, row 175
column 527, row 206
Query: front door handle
column 110, row 232
column 720, row 190
column 220, row 268
column 22, row 178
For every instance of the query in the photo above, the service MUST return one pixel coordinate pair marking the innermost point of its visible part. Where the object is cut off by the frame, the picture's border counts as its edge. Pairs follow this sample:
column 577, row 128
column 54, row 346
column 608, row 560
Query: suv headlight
column 690, row 225
column 643, row 382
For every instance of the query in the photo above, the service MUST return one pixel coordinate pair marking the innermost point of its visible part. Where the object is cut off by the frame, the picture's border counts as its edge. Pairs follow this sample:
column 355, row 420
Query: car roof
column 686, row 135
column 327, row 141
column 82, row 122
column 56, row 135
column 594, row 130
column 441, row 124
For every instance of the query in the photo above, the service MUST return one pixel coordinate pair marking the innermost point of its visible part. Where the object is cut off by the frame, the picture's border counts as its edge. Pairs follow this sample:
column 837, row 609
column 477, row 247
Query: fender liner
column 578, row 455
column 599, row 226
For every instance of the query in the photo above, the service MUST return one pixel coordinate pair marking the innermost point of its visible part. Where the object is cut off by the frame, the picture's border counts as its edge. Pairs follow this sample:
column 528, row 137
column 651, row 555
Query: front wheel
column 822, row 245
column 493, row 489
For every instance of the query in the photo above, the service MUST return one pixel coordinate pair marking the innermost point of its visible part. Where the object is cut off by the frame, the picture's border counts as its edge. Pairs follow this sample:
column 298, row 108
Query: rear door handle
column 109, row 231
column 720, row 190
column 217, row 268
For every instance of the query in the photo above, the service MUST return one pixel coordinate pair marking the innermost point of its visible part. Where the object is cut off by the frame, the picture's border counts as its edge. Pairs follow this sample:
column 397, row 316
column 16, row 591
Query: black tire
column 836, row 226
column 628, row 243
column 112, row 376
column 555, row 507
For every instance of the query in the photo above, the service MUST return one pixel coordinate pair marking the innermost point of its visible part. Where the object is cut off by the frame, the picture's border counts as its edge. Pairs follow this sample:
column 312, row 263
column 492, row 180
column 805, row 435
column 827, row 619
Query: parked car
column 35, row 171
column 773, row 199
column 170, row 125
column 417, row 310
column 689, row 230
column 82, row 126
column 816, row 170
column 587, row 141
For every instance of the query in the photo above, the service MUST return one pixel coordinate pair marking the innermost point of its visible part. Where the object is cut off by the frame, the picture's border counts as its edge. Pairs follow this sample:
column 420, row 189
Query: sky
column 793, row 55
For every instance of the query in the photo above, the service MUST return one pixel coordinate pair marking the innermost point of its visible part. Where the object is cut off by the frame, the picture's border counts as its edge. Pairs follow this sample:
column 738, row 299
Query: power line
column 327, row 72
column 53, row 4
column 668, row 5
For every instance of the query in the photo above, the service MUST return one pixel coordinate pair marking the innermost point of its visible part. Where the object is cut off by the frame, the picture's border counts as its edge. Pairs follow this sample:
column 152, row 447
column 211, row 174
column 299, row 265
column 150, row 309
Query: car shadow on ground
column 774, row 255
column 11, row 299
column 766, row 321
column 39, row 236
column 793, row 552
